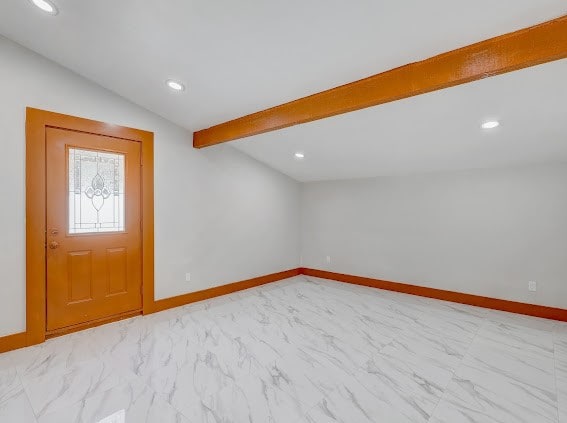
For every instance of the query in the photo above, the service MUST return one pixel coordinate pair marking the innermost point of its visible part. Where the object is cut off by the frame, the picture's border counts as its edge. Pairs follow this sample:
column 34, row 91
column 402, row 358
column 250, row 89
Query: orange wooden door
column 94, row 267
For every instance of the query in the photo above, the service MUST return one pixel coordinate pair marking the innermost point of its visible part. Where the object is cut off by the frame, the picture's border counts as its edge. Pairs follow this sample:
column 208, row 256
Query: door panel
column 79, row 276
column 93, row 227
column 116, row 270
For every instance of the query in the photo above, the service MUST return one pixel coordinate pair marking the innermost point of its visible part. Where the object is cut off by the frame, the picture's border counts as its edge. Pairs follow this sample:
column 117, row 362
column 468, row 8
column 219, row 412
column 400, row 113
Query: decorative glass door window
column 96, row 191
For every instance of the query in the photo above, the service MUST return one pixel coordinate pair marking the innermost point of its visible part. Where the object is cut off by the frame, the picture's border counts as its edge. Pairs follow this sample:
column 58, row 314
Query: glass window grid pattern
column 96, row 191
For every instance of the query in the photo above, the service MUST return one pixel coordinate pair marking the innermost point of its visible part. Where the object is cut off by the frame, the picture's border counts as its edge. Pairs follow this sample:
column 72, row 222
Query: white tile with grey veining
column 503, row 360
column 447, row 352
column 203, row 387
column 306, row 374
column 127, row 402
column 303, row 350
column 14, row 404
column 6, row 361
column 108, row 337
column 521, row 320
column 561, row 374
column 370, row 398
column 560, row 341
column 53, row 355
column 352, row 404
column 9, row 382
column 332, row 324
column 61, row 387
column 474, row 397
column 507, row 375
column 519, row 338
column 300, row 325
column 501, row 386
column 373, row 321
column 410, row 384
column 312, row 332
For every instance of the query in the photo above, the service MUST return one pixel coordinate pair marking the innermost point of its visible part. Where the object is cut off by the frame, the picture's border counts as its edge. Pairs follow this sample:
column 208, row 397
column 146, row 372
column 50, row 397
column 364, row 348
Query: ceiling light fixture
column 174, row 85
column 299, row 155
column 490, row 124
column 46, row 5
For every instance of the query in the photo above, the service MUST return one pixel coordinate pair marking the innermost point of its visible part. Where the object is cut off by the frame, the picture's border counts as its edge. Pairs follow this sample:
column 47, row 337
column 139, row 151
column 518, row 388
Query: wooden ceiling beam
column 531, row 46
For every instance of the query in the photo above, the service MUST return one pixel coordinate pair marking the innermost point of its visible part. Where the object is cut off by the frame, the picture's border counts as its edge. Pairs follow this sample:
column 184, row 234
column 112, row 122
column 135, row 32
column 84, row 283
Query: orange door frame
column 37, row 122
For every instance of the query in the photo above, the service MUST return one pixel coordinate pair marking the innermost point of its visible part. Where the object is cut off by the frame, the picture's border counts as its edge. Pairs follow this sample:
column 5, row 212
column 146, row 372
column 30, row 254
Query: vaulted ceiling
column 240, row 57
column 439, row 131
column 237, row 57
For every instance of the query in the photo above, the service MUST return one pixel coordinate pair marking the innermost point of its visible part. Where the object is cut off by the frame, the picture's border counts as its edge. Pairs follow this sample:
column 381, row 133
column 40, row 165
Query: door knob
column 53, row 245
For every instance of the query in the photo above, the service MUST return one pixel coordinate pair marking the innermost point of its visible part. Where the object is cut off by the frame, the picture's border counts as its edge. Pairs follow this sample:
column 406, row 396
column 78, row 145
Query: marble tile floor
column 297, row 351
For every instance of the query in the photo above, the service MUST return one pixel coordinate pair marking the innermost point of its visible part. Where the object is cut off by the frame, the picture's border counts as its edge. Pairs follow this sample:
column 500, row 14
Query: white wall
column 485, row 232
column 225, row 217
column 218, row 213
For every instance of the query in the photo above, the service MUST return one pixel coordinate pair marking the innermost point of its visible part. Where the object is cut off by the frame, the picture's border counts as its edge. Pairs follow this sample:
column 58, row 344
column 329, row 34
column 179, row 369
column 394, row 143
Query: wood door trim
column 37, row 121
column 531, row 46
column 441, row 294
column 91, row 324
column 13, row 342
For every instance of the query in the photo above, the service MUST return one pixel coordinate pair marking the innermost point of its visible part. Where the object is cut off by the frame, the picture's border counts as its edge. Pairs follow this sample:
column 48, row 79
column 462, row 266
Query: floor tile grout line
column 88, row 396
column 484, row 322
column 242, row 377
column 428, row 312
column 555, row 373
column 36, row 417
column 303, row 418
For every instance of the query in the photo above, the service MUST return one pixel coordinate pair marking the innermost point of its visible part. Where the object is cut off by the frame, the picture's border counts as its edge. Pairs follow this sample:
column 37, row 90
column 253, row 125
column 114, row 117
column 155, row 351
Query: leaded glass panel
column 96, row 191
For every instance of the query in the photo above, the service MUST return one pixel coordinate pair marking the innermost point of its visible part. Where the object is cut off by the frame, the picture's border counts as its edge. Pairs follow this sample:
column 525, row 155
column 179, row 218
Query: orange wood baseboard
column 20, row 340
column 440, row 294
column 13, row 342
column 217, row 291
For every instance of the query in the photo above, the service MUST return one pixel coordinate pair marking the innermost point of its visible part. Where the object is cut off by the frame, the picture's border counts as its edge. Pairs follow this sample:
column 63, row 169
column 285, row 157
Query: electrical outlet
column 328, row 258
column 187, row 277
column 532, row 286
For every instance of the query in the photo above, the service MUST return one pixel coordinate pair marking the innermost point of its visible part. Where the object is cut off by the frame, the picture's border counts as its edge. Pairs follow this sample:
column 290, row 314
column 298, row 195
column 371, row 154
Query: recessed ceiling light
column 46, row 6
column 491, row 124
column 299, row 155
column 174, row 85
